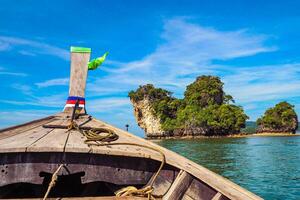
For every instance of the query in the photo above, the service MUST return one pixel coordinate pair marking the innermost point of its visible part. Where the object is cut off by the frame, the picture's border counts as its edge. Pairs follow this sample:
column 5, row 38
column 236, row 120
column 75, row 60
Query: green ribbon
column 95, row 63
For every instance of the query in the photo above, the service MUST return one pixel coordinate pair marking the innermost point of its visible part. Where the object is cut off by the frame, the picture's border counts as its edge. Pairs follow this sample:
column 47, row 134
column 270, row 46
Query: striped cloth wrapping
column 71, row 101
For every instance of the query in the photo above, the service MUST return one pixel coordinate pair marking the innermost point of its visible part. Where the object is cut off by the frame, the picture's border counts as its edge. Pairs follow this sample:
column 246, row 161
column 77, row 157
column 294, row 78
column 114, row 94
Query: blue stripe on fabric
column 75, row 98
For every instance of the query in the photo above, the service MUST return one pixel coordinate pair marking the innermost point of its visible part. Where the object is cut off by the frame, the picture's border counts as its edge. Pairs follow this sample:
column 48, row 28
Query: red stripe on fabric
column 74, row 101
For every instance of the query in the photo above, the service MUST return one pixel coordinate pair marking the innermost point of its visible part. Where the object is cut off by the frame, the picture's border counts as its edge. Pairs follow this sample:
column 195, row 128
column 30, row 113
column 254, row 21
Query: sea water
column 267, row 166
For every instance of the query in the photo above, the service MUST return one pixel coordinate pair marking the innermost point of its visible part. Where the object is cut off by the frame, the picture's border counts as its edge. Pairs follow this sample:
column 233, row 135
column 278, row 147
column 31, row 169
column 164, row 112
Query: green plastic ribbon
column 95, row 63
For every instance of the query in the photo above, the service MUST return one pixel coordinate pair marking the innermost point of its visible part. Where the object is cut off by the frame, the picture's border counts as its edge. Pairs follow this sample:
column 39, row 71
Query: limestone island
column 205, row 110
column 281, row 119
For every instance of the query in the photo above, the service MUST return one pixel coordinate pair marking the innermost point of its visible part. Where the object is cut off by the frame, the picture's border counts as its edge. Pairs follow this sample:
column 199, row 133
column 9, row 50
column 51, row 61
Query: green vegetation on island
column 280, row 119
column 204, row 110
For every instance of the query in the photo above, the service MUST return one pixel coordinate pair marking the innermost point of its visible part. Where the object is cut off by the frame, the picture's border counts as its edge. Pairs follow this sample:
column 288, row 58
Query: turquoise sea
column 267, row 166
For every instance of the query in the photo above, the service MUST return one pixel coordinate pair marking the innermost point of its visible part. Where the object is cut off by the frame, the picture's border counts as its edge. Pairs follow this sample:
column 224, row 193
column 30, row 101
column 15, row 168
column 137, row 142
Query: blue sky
column 252, row 45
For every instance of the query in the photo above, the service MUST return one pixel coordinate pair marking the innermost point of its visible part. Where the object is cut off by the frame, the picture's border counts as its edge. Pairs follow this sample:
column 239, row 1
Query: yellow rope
column 133, row 191
column 95, row 134
column 53, row 181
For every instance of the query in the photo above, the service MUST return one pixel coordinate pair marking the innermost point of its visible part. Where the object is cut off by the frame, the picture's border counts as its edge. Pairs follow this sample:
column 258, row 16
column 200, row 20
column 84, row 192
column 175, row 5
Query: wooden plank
column 79, row 68
column 76, row 143
column 179, row 186
column 199, row 190
column 14, row 130
column 163, row 182
column 218, row 196
column 186, row 197
column 53, row 142
column 20, row 142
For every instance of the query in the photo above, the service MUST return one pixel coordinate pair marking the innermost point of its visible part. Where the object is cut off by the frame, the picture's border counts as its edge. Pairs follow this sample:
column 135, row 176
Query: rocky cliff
column 151, row 124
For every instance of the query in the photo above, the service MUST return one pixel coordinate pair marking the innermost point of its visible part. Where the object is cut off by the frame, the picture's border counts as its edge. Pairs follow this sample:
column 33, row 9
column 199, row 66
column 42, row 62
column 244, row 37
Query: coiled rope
column 94, row 135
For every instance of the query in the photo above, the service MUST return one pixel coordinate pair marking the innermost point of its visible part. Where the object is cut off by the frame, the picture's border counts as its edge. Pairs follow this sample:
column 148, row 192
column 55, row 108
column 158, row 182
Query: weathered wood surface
column 59, row 140
column 199, row 190
column 21, row 141
column 76, row 143
column 54, row 142
column 179, row 186
column 218, row 196
column 163, row 182
column 79, row 68
column 14, row 130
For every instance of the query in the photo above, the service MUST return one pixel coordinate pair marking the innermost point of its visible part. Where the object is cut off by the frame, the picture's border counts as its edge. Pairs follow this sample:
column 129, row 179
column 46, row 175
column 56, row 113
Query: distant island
column 280, row 119
column 205, row 110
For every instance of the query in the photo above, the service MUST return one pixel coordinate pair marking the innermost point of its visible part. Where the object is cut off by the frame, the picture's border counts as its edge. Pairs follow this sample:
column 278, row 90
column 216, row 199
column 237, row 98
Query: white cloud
column 53, row 82
column 187, row 51
column 9, row 73
column 27, row 53
column 262, row 83
column 108, row 104
column 25, row 89
column 188, row 46
column 12, row 73
column 30, row 47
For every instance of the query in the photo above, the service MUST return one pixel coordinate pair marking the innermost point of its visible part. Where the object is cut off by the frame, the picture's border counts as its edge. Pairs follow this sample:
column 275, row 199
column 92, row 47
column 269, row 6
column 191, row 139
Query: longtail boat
column 71, row 155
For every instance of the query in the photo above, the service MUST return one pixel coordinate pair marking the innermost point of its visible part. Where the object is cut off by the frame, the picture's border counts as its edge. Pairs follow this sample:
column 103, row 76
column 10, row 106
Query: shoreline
column 241, row 135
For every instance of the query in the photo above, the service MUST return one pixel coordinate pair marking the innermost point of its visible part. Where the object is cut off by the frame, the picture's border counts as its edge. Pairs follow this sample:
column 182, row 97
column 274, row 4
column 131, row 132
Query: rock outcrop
column 204, row 110
column 151, row 124
column 280, row 119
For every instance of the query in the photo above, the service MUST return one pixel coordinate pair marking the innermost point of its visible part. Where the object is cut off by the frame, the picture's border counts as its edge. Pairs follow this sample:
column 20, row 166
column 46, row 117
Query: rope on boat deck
column 94, row 135
column 91, row 134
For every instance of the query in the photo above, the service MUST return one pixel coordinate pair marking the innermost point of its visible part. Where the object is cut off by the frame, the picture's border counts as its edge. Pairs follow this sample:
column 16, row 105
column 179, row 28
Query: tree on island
column 204, row 110
column 280, row 119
